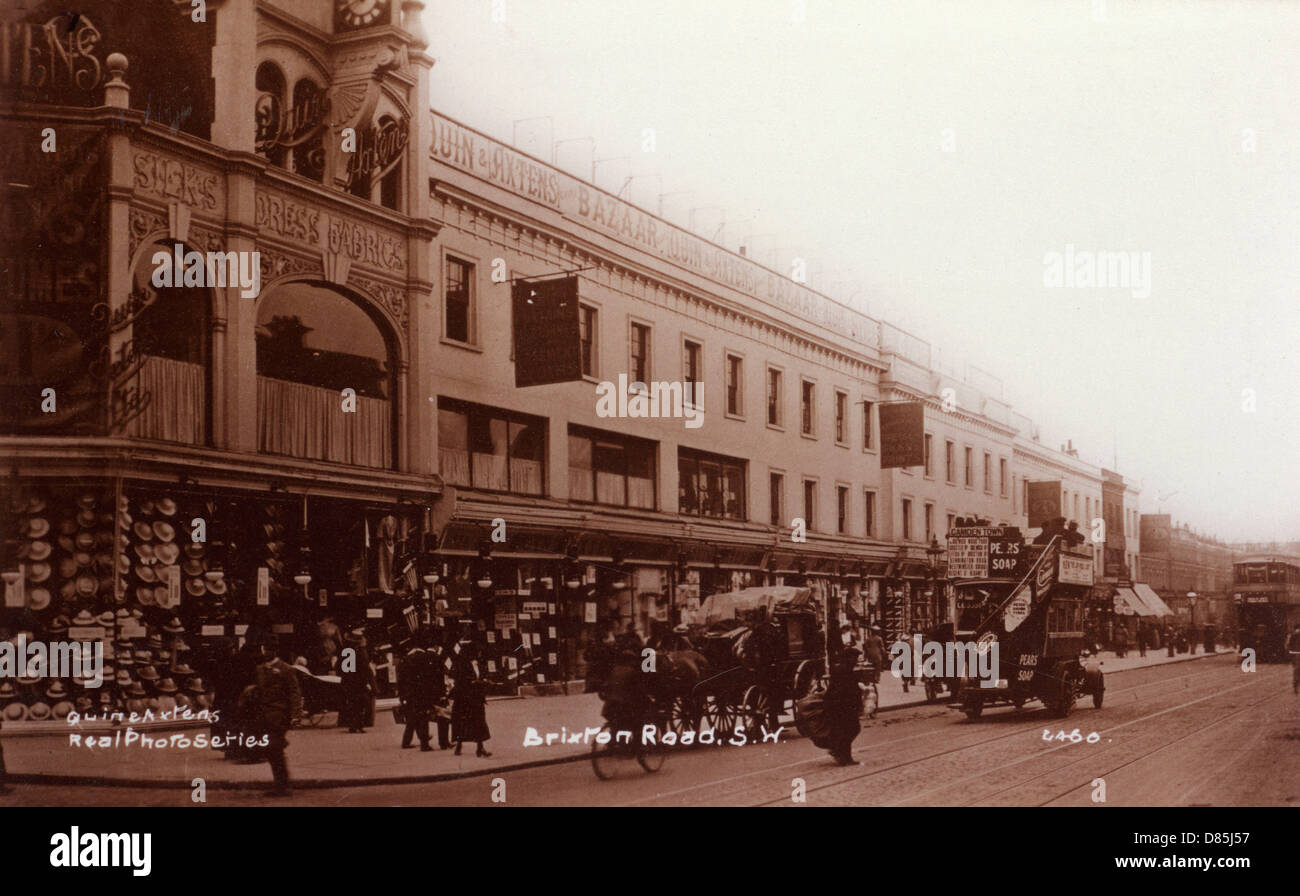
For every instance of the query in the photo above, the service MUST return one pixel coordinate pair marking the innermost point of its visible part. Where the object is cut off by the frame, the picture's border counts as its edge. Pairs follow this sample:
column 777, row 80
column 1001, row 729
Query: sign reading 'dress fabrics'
column 902, row 434
column 547, row 338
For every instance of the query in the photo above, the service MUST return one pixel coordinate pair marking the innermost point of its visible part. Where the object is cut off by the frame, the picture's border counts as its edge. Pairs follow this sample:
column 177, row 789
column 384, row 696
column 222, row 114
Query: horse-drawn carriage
column 739, row 660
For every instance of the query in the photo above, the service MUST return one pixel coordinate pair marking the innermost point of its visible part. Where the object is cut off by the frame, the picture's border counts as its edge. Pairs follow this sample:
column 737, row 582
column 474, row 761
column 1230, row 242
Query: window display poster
column 589, row 611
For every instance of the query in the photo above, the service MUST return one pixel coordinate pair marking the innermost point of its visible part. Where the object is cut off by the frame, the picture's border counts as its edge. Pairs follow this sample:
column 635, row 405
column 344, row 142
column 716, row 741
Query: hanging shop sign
column 1044, row 500
column 902, row 434
column 379, row 149
column 547, row 332
column 1154, row 533
column 280, row 127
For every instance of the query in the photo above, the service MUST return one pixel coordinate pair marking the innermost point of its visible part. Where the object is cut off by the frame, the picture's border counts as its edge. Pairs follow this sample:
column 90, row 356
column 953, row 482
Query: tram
column 1266, row 595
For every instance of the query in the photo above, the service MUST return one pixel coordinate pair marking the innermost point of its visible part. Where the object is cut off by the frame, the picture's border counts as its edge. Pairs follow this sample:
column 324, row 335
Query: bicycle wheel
column 604, row 757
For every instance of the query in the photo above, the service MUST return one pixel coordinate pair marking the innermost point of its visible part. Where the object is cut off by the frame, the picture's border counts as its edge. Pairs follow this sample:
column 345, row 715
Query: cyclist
column 626, row 705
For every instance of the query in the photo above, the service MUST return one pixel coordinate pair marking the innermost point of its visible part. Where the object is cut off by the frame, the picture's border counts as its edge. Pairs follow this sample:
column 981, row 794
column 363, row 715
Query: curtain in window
column 307, row 421
column 177, row 402
column 453, row 463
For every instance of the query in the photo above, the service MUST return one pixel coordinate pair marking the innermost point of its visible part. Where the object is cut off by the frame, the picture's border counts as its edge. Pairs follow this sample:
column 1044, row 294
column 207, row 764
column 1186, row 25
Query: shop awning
column 727, row 606
column 1152, row 600
column 1129, row 604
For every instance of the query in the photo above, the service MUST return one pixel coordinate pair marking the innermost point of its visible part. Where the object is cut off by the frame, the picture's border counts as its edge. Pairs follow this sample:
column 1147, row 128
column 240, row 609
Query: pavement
column 330, row 757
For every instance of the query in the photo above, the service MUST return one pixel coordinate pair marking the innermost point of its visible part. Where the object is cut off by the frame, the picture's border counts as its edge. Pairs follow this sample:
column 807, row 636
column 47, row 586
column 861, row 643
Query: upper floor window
column 907, row 519
column 639, row 353
column 587, row 339
column 929, row 454
column 841, row 417
column 867, row 441
column 1002, row 476
column 842, row 509
column 776, row 493
column 807, row 397
column 458, row 317
column 810, row 504
column 773, row 397
column 949, row 464
column 735, row 380
column 710, row 485
column 988, row 476
column 869, row 514
column 970, row 464
column 491, row 449
column 608, row 468
column 691, row 353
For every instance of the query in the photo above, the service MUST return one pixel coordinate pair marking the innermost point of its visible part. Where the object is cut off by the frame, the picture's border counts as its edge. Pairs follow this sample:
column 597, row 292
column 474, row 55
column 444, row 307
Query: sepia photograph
column 877, row 404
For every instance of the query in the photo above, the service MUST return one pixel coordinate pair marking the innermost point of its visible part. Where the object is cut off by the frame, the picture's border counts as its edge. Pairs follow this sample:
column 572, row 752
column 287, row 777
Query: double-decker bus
column 1266, row 594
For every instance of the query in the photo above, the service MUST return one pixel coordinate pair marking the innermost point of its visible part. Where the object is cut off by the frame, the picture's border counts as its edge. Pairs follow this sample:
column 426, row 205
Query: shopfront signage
column 1044, row 500
column 505, row 621
column 169, row 178
column 1075, row 570
column 379, row 149
column 546, row 329
column 57, row 57
column 534, row 607
column 277, row 126
column 902, row 434
column 363, row 243
column 968, row 557
column 1045, row 571
column 1017, row 610
column 482, row 157
column 263, row 586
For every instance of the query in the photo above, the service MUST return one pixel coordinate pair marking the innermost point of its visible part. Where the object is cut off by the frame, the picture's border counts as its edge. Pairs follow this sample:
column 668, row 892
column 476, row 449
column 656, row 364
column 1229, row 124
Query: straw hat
column 38, row 550
column 123, row 678
column 62, row 709
column 87, row 501
column 38, row 527
column 83, row 704
column 38, row 572
column 167, row 553
column 145, row 553
column 35, row 504
column 174, row 626
column 164, row 531
column 143, row 531
column 125, row 657
column 195, row 587
column 86, row 519
column 66, row 543
column 124, row 520
column 84, row 618
column 148, row 673
column 145, row 574
column 87, row 585
column 57, row 690
column 162, row 596
column 106, row 618
column 194, row 550
column 39, row 711
column 136, row 690
column 15, row 712
column 59, row 626
column 7, row 690
column 146, row 508
column 218, row 587
column 39, row 598
column 67, row 568
column 196, row 685
column 166, row 506
column 145, row 596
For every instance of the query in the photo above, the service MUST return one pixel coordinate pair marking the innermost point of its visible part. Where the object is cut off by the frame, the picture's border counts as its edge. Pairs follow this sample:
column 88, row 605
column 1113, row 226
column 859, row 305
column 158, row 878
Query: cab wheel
column 1100, row 692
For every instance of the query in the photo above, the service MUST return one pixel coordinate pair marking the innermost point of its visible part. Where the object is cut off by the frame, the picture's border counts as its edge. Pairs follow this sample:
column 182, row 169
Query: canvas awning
column 1129, row 604
column 727, row 606
column 1152, row 600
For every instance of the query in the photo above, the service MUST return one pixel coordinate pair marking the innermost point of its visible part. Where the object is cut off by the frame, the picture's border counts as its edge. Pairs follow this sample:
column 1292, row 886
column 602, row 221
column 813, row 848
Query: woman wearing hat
column 358, row 684
column 843, row 705
column 469, row 705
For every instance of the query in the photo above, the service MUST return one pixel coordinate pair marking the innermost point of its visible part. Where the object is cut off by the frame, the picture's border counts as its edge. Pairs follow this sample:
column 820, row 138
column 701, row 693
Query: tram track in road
column 930, row 757
column 1162, row 747
column 1147, row 688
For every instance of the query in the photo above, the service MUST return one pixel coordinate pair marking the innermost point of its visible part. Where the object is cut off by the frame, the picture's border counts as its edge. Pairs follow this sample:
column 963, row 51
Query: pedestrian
column 240, row 676
column 875, row 652
column 1193, row 636
column 599, row 657
column 1170, row 639
column 1208, row 633
column 843, row 706
column 276, row 700
column 1143, row 637
column 1121, row 641
column 438, row 690
column 357, row 683
column 415, row 675
column 469, row 706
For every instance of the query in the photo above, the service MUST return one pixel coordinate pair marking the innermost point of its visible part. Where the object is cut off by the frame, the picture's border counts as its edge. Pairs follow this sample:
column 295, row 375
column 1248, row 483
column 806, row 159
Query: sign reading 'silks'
column 548, row 340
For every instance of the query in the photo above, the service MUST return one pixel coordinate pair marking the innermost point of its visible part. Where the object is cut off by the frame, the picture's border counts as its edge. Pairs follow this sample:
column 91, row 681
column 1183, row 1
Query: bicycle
column 606, row 757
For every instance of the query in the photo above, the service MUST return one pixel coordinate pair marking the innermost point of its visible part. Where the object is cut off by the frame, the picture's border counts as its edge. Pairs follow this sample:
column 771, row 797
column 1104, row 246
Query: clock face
column 360, row 13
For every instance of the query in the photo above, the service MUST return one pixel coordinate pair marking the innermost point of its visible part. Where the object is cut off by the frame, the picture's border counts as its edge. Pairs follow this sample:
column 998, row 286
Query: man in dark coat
column 414, row 692
column 357, row 683
column 278, row 699
column 875, row 652
column 239, row 676
column 769, row 651
column 843, row 706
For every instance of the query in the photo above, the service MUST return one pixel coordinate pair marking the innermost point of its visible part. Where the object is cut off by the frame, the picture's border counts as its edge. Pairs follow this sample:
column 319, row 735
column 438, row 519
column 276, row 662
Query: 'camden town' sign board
column 478, row 155
column 56, row 54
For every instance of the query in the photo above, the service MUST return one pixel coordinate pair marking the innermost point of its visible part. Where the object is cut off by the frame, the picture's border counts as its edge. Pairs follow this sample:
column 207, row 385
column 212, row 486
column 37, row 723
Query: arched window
column 171, row 338
column 375, row 169
column 313, row 344
column 269, row 112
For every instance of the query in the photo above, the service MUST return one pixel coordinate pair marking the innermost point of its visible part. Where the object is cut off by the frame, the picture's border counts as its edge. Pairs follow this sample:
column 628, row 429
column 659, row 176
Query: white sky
column 823, row 139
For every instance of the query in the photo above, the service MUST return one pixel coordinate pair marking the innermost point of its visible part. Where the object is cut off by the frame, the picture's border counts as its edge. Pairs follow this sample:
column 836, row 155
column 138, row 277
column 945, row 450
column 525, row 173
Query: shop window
column 489, row 449
column 606, row 468
column 459, row 298
column 172, row 333
column 312, row 344
column 710, row 485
